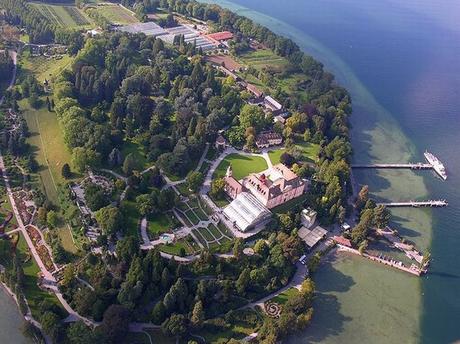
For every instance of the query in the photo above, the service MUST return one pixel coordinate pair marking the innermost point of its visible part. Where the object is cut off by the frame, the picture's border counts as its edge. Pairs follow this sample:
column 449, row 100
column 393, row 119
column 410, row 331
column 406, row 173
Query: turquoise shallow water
column 399, row 59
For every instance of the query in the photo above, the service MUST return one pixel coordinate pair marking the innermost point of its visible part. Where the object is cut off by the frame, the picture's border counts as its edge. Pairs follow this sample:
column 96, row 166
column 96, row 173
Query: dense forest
column 6, row 66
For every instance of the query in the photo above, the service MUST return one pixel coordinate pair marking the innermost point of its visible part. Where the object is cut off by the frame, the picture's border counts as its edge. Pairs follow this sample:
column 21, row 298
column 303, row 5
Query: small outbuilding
column 313, row 236
column 308, row 217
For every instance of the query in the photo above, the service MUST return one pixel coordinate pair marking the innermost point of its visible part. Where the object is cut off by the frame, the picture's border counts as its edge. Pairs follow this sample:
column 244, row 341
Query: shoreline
column 378, row 137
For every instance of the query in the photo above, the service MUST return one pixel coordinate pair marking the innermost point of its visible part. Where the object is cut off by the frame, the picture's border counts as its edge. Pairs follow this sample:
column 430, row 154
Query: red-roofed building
column 342, row 241
column 221, row 36
column 232, row 187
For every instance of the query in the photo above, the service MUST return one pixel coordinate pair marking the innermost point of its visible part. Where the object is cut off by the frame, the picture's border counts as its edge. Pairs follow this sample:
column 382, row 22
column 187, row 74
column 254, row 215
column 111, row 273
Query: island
column 171, row 172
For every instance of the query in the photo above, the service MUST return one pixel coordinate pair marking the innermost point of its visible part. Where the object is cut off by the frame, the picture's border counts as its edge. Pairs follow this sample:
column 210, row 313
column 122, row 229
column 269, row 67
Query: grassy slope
column 46, row 137
column 265, row 58
column 309, row 151
column 117, row 15
column 242, row 165
column 43, row 68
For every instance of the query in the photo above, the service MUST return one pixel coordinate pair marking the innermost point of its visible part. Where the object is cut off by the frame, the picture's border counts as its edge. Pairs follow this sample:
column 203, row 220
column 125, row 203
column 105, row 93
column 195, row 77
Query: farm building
column 220, row 36
column 149, row 29
column 191, row 36
column 271, row 104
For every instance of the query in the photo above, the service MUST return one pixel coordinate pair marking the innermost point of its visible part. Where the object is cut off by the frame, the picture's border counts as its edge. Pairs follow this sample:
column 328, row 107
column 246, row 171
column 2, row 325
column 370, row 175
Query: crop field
column 262, row 58
column 116, row 14
column 63, row 15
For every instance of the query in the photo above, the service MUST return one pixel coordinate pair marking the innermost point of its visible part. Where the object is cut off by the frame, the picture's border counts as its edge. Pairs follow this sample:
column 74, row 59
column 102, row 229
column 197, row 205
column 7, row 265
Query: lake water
column 400, row 61
column 11, row 321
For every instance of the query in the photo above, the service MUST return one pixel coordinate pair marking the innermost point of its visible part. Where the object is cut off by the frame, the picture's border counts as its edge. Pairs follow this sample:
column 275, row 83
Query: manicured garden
column 33, row 293
column 160, row 223
column 242, row 165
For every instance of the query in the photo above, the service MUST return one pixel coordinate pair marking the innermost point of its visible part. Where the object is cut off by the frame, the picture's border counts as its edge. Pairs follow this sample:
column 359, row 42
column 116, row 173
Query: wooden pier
column 417, row 204
column 413, row 269
column 414, row 166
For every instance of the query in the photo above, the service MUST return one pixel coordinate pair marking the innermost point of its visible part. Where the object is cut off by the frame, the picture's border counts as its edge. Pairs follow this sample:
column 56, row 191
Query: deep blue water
column 406, row 53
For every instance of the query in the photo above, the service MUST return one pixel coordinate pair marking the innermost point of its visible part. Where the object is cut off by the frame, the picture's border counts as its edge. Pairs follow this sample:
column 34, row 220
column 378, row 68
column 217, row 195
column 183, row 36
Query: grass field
column 242, row 165
column 309, row 151
column 175, row 249
column 138, row 151
column 263, row 58
column 48, row 143
column 285, row 296
column 116, row 14
column 63, row 15
column 158, row 224
column 275, row 155
column 43, row 68
column 46, row 139
column 131, row 216
column 51, row 153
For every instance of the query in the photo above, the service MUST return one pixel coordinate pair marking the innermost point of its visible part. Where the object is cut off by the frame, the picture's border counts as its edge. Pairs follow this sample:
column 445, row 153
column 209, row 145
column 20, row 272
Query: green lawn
column 242, row 165
column 205, row 207
column 193, row 218
column 184, row 218
column 43, row 68
column 200, row 237
column 131, row 147
column 184, row 189
column 206, row 234
column 309, row 150
column 116, row 14
column 66, row 16
column 48, row 144
column 263, row 58
column 33, row 293
column 285, row 295
column 213, row 229
column 244, row 323
column 158, row 224
column 131, row 216
column 275, row 155
column 205, row 167
column 175, row 248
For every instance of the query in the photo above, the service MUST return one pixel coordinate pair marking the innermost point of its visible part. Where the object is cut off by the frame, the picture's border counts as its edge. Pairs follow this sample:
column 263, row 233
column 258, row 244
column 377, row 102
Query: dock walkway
column 417, row 204
column 412, row 166
column 413, row 269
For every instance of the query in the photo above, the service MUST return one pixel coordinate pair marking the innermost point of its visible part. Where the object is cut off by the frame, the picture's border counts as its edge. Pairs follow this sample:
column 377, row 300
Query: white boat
column 438, row 166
